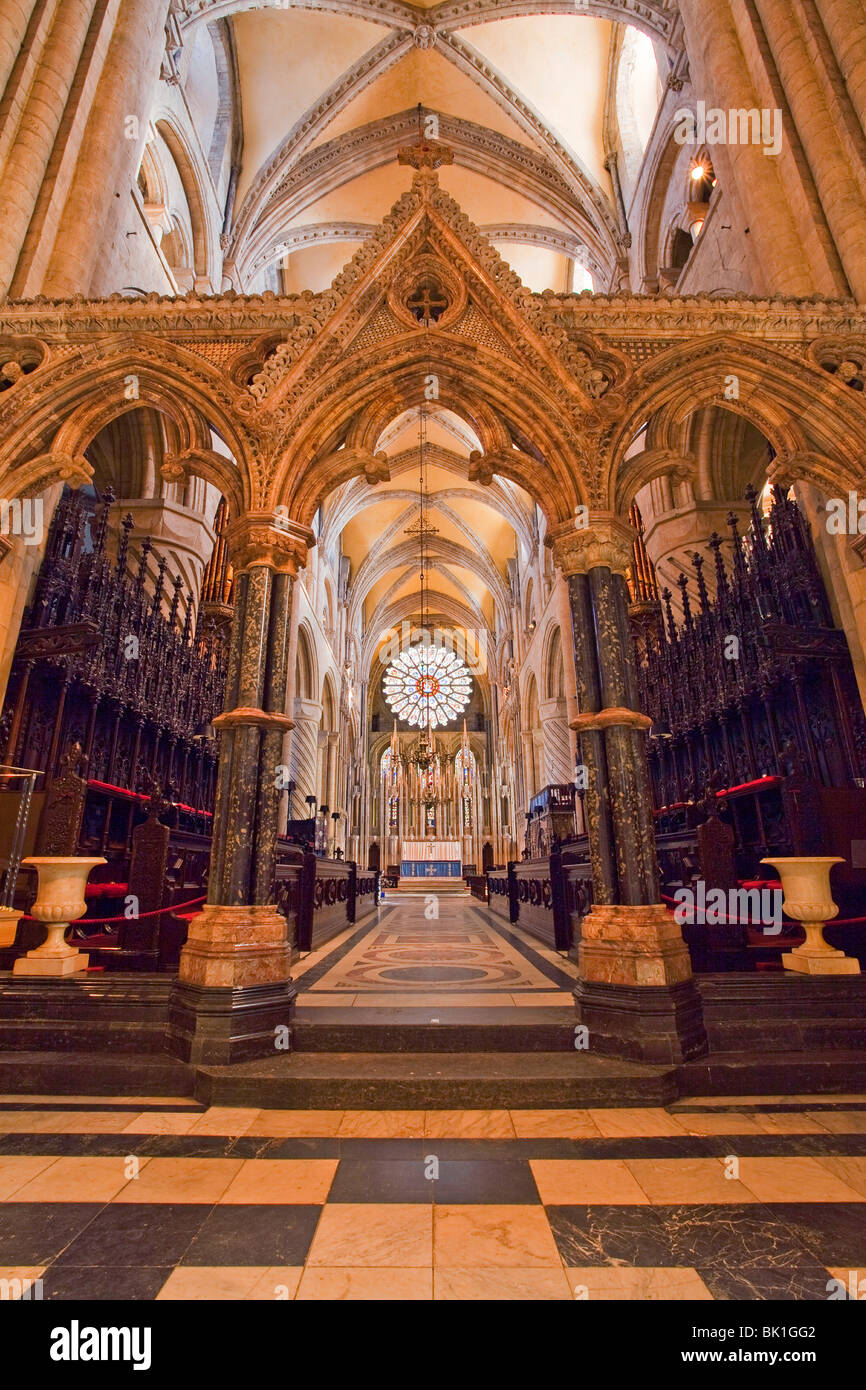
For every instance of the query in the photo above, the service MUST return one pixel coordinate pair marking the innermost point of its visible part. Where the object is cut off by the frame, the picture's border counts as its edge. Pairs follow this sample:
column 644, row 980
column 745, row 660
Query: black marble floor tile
column 835, row 1232
column 372, row 1180
column 787, row 1145
column 100, row 1283
column 72, row 1145
column 180, row 1145
column 434, row 1179
column 254, row 1235
column 735, row 1236
column 35, row 1233
column 496, row 1182
column 303, row 1148
column 805, row 1282
column 137, row 1234
column 607, row 1235
column 385, row 1149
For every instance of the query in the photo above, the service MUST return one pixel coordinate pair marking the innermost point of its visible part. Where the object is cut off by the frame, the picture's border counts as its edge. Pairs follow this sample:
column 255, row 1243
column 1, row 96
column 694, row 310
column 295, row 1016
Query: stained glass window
column 427, row 685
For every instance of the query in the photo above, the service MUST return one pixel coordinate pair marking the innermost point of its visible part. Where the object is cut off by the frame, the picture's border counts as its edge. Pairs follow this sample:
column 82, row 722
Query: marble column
column 39, row 107
column 791, row 251
column 234, row 989
column 635, row 990
column 108, row 159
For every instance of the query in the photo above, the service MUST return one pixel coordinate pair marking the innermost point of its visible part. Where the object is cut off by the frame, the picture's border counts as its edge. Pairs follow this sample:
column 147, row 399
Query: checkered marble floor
column 711, row 1198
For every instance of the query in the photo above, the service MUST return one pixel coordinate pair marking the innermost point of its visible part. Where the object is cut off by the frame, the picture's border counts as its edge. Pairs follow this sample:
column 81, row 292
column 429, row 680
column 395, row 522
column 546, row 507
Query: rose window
column 427, row 686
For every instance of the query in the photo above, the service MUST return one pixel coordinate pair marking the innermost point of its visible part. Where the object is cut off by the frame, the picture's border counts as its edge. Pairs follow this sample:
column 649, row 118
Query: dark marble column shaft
column 270, row 752
column 592, row 749
column 625, row 748
column 227, row 739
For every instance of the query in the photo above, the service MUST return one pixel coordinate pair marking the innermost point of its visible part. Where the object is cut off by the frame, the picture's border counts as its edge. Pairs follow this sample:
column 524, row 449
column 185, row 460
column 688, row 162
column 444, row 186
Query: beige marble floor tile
column 627, row 1124
column 281, row 1180
column 841, row 1121
column 181, row 1180
column 636, row 1284
column 710, row 1101
column 278, row 1284
column 228, row 1120
column 720, row 1124
column 297, row 1124
column 159, row 1122
column 579, row 1181
column 795, row 1180
column 17, row 1170
column 789, row 1122
column 210, row 1282
column 69, row 1102
column 554, row 1124
column 396, row 1235
column 421, row 1000
column 310, row 999
column 852, row 1280
column 500, row 1284
column 78, row 1180
column 468, row 1124
column 485, row 1237
column 26, row 1274
column 382, row 1124
column 366, row 1282
column 827, row 1098
column 562, row 999
column 675, row 1181
column 97, row 1122
column 33, row 1121
column 851, row 1171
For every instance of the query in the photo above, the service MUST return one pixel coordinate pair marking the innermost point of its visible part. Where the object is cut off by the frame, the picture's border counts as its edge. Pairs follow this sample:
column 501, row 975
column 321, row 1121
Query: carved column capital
column 268, row 538
column 604, row 541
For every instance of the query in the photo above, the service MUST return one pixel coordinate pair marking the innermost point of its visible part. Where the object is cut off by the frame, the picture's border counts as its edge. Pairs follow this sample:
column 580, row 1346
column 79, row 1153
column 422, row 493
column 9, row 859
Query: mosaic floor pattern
column 458, row 950
column 163, row 1199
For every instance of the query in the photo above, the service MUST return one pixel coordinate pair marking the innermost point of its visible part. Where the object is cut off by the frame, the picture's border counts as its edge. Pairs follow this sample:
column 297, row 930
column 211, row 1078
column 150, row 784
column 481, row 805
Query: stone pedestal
column 636, row 993
column 233, row 998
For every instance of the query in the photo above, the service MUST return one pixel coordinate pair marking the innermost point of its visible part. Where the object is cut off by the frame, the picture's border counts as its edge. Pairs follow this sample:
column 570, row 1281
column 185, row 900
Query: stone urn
column 808, row 899
column 59, row 901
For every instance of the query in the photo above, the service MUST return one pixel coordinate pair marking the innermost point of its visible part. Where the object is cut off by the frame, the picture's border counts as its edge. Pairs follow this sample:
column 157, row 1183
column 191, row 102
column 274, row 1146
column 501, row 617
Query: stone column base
column 234, row 998
column 636, row 994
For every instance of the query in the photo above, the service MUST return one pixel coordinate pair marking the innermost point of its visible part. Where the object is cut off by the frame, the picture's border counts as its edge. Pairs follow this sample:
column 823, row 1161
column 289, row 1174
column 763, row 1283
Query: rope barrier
column 746, row 922
column 139, row 917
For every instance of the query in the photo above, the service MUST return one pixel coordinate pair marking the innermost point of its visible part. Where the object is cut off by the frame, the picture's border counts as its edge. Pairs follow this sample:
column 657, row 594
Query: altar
column 430, row 859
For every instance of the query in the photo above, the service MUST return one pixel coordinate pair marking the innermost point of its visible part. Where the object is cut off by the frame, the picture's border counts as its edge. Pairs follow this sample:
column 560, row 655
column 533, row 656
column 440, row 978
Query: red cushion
column 106, row 890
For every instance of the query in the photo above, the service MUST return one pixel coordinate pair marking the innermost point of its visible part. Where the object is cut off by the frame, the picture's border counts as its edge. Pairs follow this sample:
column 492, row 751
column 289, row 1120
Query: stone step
column 428, row 1080
column 432, row 1029
column 94, row 1074
column 777, row 1073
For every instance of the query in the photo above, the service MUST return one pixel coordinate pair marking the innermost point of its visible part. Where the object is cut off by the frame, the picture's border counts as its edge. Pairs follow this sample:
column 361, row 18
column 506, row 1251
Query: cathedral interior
column 432, row 650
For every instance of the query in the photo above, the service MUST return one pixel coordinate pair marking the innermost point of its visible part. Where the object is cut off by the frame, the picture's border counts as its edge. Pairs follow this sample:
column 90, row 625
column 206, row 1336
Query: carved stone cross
column 427, row 303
